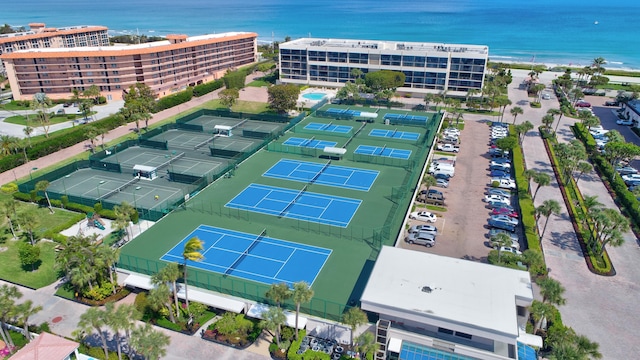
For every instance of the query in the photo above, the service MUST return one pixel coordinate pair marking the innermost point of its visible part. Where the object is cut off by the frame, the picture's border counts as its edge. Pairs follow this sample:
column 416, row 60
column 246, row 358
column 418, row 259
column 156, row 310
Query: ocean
column 545, row 31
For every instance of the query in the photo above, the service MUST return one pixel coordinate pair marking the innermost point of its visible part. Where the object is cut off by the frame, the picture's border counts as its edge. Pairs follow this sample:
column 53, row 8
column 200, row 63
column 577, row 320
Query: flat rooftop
column 416, row 284
column 385, row 45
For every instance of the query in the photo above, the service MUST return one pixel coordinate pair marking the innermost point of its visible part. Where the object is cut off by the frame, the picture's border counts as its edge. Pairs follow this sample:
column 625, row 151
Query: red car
column 583, row 104
column 504, row 211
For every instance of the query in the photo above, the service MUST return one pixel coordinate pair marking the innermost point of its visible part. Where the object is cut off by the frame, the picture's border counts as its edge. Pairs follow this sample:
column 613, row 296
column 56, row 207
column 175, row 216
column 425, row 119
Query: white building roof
column 441, row 290
column 384, row 46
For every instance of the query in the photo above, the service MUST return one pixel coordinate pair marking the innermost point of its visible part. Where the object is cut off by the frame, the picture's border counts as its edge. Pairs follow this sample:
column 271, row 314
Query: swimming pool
column 315, row 96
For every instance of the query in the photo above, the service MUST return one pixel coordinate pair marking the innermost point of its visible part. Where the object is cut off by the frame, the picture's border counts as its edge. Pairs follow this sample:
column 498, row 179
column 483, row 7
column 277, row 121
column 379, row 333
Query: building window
column 88, row 66
column 86, row 58
column 463, row 335
column 115, row 72
column 445, row 331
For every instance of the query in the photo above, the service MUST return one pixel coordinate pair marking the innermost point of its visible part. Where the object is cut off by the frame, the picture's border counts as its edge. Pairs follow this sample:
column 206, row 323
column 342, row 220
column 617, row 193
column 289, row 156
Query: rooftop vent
column 427, row 289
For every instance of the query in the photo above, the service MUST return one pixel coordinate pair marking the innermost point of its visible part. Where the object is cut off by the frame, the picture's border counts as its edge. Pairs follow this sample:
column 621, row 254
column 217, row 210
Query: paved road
column 602, row 308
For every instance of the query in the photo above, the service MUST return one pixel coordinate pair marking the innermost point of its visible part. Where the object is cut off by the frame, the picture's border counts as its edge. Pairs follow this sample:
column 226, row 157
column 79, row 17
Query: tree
column 302, row 293
column 591, row 203
column 94, row 320
column 534, row 260
column 507, row 143
column 279, row 293
column 356, row 74
column 597, row 65
column 273, row 320
column 169, row 274
column 616, row 152
column 614, row 136
column 139, row 103
column 547, row 208
column 108, row 257
column 583, row 167
column 29, row 221
column 503, row 102
column 8, row 211
column 366, row 344
column 149, row 343
column 384, row 80
column 41, row 104
column 43, row 185
column 29, row 255
column 427, row 100
column 283, row 97
column 542, row 179
column 515, row 111
column 23, row 312
column 588, row 347
column 8, row 295
column 499, row 241
column 124, row 213
column 191, row 252
column 537, row 90
column 551, row 291
column 228, row 97
column 540, row 311
column 354, row 317
column 548, row 120
column 121, row 318
column 160, row 297
column 523, row 129
column 610, row 225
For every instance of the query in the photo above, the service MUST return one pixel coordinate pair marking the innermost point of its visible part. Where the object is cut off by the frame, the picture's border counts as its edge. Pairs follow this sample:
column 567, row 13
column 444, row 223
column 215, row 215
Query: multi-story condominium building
column 165, row 66
column 41, row 37
column 428, row 67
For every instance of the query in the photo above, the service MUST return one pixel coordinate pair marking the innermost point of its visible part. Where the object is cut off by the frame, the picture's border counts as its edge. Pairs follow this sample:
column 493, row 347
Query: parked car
column 494, row 232
column 631, row 177
column 510, row 250
column 451, row 131
column 499, row 204
column 582, row 104
column 448, row 148
column 505, row 218
column 612, row 103
column 500, row 174
column 514, row 243
column 546, row 96
column 503, row 183
column 423, row 216
column 497, row 198
column 424, row 228
column 501, row 192
column 431, row 192
column 442, row 183
column 505, row 211
column 626, row 170
column 501, row 162
column 624, row 122
column 502, row 225
column 440, row 175
column 421, row 238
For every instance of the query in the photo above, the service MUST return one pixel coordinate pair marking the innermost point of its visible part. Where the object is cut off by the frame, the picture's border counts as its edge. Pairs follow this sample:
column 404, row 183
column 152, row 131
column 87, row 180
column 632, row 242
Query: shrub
column 234, row 80
column 141, row 302
column 203, row 89
column 535, row 104
column 174, row 100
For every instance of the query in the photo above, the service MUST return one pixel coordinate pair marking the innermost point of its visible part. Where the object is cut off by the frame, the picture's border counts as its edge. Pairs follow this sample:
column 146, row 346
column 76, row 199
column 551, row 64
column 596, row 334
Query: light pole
column 32, row 169
column 65, row 185
column 98, row 189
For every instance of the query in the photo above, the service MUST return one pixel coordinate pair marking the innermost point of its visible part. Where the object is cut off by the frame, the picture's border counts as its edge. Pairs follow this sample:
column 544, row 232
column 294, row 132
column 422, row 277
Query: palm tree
column 191, row 252
column 43, row 185
column 24, row 311
column 588, row 347
column 428, row 99
column 597, row 64
column 542, row 179
column 279, row 293
column 124, row 211
column 551, row 291
column 366, row 344
column 169, row 274
column 547, row 208
column 354, row 317
column 273, row 320
column 302, row 293
column 108, row 257
column 93, row 320
column 583, row 167
column 515, row 111
column 540, row 311
column 523, row 129
column 548, row 120
column 119, row 319
column 149, row 343
column 8, row 295
column 159, row 297
column 499, row 241
column 591, row 203
column 29, row 221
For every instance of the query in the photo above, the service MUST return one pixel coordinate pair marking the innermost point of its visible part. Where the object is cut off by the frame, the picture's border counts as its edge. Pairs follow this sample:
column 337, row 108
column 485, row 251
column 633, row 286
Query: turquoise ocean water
column 561, row 31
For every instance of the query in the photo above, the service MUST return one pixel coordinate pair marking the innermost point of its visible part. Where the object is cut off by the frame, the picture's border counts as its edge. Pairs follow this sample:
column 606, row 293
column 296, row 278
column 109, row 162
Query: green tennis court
column 188, row 140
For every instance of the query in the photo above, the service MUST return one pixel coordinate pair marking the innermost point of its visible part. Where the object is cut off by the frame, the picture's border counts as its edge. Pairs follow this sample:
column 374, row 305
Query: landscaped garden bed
column 233, row 330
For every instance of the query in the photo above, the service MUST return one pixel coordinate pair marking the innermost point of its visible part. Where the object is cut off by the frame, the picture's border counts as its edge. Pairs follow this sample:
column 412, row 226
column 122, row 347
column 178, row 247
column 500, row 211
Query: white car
column 631, row 177
column 546, row 97
column 503, row 183
column 505, row 218
column 624, row 122
column 423, row 216
column 497, row 198
column 510, row 250
column 501, row 192
column 452, row 132
column 501, row 163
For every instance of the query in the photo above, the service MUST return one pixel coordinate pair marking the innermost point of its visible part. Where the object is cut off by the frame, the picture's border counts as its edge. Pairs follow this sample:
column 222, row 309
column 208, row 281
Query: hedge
column 203, row 89
column 41, row 200
column 174, row 100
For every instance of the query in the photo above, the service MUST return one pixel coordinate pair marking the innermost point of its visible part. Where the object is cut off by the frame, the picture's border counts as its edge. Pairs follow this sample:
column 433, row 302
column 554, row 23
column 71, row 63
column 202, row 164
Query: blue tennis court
column 406, row 118
column 296, row 204
column 323, row 174
column 312, row 143
column 343, row 112
column 383, row 151
column 342, row 129
column 253, row 256
column 394, row 134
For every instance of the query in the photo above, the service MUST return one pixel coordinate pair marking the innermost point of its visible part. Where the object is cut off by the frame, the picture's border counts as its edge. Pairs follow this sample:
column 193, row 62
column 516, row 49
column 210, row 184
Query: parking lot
column 462, row 229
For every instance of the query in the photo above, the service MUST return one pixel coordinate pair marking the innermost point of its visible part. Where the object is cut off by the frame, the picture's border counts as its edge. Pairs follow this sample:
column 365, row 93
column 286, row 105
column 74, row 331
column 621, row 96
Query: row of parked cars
column 503, row 218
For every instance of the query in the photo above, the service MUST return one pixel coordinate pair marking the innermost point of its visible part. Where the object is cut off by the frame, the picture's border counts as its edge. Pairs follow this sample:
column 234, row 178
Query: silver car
column 429, row 229
column 421, row 238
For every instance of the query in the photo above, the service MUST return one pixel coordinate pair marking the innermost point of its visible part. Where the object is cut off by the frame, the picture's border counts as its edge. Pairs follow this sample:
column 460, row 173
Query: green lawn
column 259, row 83
column 13, row 106
column 56, row 119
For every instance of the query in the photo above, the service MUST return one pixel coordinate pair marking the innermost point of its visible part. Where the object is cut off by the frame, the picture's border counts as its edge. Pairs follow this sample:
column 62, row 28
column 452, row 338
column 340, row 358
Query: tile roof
column 46, row 347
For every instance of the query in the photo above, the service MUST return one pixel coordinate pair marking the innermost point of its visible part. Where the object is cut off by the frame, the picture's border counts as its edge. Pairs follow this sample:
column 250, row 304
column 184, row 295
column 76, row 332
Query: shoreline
column 551, row 65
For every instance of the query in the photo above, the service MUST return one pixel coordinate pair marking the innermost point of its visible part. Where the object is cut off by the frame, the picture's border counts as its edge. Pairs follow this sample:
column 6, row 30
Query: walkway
column 602, row 308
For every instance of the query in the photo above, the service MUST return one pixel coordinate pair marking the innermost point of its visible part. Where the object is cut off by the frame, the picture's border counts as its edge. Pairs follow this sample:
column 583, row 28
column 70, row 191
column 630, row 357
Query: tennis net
column 173, row 158
column 239, row 124
column 317, row 175
column 119, row 188
column 382, row 150
column 293, row 201
column 394, row 132
column 327, row 126
column 246, row 251
column 308, row 141
column 197, row 146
